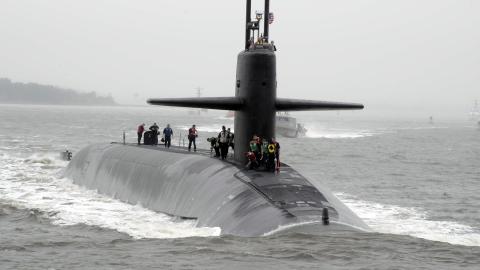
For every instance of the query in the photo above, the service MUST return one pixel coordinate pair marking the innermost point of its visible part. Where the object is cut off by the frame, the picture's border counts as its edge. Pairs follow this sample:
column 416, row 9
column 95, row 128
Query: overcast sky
column 420, row 55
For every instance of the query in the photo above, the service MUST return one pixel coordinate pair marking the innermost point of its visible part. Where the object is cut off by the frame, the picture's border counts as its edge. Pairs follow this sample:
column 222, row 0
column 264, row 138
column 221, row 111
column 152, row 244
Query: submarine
column 223, row 193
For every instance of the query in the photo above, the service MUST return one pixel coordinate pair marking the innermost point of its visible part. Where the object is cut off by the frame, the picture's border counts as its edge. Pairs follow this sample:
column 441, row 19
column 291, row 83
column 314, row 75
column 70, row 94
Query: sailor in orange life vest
column 192, row 135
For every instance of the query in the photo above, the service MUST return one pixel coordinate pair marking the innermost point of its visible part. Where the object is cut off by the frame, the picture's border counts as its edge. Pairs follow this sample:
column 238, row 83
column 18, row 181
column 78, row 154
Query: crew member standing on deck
column 271, row 156
column 167, row 134
column 223, row 139
column 254, row 146
column 140, row 131
column 277, row 154
column 192, row 135
column 231, row 141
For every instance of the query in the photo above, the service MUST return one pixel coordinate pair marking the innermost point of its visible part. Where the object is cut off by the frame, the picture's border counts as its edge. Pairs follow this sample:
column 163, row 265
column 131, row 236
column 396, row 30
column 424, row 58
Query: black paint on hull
column 214, row 192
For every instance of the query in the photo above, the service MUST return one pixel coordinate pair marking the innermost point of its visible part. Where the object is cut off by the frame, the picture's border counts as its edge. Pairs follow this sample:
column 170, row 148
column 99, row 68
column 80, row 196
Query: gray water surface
column 415, row 184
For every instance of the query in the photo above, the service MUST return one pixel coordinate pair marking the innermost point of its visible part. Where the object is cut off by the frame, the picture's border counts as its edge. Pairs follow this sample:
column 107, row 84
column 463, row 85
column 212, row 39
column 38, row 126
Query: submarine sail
column 223, row 193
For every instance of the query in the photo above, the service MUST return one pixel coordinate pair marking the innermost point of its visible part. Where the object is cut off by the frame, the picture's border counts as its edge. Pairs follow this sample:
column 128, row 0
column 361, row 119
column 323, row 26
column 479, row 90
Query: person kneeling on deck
column 167, row 135
column 252, row 160
column 223, row 139
column 214, row 145
column 192, row 135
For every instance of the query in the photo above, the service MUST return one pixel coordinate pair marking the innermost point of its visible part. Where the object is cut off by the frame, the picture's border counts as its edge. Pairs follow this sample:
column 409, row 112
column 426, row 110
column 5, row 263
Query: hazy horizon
column 405, row 57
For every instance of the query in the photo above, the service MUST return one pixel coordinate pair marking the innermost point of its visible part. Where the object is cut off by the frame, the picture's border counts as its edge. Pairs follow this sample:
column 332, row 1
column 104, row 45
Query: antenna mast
column 255, row 25
column 266, row 20
column 247, row 24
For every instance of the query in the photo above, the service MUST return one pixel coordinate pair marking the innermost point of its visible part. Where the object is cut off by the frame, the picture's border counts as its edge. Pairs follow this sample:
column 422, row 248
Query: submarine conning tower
column 255, row 102
column 258, row 90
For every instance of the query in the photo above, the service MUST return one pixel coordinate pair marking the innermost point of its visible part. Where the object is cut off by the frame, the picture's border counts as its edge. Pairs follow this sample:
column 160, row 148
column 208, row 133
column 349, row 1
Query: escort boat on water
column 287, row 126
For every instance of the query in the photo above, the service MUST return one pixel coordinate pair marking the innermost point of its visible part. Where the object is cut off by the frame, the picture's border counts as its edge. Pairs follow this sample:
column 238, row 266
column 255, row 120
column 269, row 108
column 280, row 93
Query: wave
column 209, row 128
column 28, row 184
column 421, row 128
column 224, row 118
column 44, row 159
column 339, row 134
column 410, row 221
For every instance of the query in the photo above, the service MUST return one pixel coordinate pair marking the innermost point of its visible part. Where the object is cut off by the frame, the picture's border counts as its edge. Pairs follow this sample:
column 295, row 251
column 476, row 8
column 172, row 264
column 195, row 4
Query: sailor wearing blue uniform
column 167, row 135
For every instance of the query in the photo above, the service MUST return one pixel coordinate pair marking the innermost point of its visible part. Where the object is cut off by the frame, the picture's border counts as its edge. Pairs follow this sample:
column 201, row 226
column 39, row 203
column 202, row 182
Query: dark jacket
column 168, row 132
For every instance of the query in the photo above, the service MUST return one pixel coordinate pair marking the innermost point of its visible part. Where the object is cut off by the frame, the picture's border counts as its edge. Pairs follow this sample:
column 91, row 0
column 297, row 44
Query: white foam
column 282, row 228
column 26, row 183
column 212, row 128
column 339, row 134
column 411, row 221
column 224, row 118
column 421, row 127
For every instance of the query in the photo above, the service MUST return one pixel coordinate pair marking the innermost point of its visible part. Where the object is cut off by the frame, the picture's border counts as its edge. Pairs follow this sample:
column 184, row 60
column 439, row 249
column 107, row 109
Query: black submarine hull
column 216, row 193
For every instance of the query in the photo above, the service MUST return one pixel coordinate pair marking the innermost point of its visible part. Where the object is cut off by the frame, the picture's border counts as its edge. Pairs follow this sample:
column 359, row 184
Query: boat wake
column 411, row 221
column 208, row 128
column 33, row 183
column 338, row 133
column 316, row 131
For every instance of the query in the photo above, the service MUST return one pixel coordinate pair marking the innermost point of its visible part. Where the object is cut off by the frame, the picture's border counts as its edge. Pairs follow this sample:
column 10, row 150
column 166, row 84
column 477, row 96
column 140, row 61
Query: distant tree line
column 33, row 93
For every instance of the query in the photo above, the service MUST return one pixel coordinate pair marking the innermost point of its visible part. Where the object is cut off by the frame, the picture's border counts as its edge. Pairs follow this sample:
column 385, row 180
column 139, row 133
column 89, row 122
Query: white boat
column 287, row 126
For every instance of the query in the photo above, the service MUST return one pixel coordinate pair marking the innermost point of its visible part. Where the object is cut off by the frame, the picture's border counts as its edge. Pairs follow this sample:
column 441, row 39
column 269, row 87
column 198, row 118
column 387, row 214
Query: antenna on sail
column 266, row 20
column 247, row 24
column 252, row 26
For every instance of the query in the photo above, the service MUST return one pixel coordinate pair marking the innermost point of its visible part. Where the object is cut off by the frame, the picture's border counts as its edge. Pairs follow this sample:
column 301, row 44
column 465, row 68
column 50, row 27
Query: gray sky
column 416, row 55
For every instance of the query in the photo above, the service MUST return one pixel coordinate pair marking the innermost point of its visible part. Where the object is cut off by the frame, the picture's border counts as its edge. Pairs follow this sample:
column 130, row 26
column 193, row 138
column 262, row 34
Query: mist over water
column 415, row 184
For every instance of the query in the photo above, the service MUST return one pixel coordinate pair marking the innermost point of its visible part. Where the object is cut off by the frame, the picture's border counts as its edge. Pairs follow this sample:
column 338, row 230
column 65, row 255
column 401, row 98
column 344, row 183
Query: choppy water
column 415, row 184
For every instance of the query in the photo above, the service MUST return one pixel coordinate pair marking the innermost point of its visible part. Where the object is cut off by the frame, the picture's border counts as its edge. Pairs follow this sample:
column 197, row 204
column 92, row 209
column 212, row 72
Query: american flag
column 270, row 18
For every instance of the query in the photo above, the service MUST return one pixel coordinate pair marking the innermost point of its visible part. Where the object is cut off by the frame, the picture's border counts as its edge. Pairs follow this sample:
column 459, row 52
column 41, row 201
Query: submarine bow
column 212, row 192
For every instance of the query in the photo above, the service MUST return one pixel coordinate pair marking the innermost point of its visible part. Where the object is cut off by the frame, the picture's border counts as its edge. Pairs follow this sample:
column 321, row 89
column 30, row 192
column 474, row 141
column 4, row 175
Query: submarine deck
column 286, row 190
